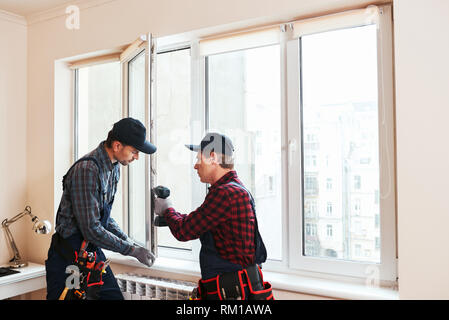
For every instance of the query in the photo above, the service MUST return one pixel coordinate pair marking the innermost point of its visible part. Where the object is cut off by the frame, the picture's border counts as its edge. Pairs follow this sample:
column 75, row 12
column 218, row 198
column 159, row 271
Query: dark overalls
column 217, row 273
column 59, row 256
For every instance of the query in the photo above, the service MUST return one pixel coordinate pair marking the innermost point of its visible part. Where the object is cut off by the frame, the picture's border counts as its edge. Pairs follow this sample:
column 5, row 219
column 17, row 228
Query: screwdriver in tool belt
column 105, row 265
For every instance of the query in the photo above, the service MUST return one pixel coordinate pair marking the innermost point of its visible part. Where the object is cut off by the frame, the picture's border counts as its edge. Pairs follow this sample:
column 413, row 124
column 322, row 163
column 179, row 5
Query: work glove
column 130, row 241
column 143, row 255
column 160, row 205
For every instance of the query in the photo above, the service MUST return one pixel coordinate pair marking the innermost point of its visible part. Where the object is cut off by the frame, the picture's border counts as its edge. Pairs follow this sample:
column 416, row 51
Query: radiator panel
column 138, row 287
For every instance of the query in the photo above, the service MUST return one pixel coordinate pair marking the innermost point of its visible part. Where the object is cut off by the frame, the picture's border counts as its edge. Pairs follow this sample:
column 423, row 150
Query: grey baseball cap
column 216, row 142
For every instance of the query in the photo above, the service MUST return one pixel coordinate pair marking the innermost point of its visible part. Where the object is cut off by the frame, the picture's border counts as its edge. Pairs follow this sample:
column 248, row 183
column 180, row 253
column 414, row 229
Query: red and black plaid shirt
column 228, row 214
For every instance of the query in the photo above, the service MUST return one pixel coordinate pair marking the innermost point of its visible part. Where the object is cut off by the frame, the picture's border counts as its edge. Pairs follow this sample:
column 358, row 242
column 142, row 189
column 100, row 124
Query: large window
column 309, row 107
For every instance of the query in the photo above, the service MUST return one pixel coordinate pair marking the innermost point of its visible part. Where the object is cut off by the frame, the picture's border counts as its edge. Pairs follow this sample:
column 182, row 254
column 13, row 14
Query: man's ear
column 213, row 157
column 116, row 146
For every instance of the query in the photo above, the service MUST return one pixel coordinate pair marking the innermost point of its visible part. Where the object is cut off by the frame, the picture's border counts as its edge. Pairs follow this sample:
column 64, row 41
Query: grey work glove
column 131, row 241
column 143, row 255
column 160, row 205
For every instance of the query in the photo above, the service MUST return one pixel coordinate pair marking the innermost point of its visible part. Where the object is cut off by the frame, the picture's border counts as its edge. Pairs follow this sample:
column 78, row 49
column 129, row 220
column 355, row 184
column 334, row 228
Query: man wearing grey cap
column 232, row 249
column 89, row 187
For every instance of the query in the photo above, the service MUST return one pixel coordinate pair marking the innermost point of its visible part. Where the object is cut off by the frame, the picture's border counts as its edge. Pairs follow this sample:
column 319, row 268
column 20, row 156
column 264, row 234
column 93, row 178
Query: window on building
column 357, row 182
column 357, row 205
column 311, row 185
column 329, row 209
column 329, row 184
column 329, row 230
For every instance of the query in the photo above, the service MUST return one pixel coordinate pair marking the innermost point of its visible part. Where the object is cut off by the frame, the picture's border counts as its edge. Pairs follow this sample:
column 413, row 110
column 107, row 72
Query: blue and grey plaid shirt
column 81, row 203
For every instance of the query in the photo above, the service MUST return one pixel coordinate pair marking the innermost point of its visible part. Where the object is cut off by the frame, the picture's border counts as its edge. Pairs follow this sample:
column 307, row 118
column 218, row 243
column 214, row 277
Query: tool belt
column 90, row 271
column 232, row 285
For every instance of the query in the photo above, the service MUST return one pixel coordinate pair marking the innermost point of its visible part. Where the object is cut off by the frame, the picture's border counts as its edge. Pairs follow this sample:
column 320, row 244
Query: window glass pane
column 244, row 103
column 340, row 130
column 98, row 108
column 136, row 109
column 174, row 161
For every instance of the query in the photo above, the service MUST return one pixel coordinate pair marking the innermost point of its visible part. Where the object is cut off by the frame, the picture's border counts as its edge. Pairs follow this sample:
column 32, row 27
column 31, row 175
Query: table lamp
column 40, row 227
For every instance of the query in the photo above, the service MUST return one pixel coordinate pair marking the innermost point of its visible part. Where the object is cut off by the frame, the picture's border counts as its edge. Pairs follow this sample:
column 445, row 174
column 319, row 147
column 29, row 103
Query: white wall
column 13, row 128
column 422, row 113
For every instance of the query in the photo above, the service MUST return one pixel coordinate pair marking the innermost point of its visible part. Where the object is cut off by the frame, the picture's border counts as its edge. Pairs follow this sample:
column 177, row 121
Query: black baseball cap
column 132, row 132
column 216, row 142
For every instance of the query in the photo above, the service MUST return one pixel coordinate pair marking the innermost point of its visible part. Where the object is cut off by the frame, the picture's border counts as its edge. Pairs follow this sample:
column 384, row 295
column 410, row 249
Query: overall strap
column 73, row 165
column 76, row 162
column 260, row 249
column 253, row 203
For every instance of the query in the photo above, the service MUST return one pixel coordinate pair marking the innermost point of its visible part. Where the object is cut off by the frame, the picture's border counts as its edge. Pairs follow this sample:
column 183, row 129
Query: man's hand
column 160, row 205
column 143, row 255
column 131, row 241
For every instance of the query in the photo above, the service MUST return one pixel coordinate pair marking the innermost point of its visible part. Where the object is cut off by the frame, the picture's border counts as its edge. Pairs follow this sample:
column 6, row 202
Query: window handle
column 291, row 150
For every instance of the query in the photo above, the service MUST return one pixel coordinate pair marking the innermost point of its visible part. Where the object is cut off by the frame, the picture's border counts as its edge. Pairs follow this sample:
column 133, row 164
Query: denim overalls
column 58, row 256
column 212, row 264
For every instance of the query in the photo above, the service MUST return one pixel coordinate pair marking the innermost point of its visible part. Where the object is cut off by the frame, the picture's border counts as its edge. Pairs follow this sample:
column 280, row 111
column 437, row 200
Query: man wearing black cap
column 89, row 187
column 232, row 249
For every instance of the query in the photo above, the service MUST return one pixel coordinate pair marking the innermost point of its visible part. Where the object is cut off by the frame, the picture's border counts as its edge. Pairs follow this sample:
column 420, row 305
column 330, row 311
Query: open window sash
column 137, row 61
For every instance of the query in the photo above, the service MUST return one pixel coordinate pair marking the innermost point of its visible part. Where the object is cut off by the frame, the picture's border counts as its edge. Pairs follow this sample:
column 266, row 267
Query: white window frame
column 387, row 266
column 135, row 50
column 293, row 259
column 198, row 116
column 142, row 45
column 293, row 233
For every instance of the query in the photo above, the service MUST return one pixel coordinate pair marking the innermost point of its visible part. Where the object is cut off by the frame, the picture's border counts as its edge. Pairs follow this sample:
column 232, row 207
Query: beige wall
column 422, row 113
column 13, row 128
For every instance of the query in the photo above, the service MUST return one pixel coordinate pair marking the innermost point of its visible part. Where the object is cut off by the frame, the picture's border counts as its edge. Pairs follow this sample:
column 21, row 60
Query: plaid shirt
column 227, row 214
column 82, row 201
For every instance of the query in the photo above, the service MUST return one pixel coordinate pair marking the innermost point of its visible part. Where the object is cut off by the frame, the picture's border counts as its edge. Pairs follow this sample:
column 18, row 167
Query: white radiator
column 137, row 287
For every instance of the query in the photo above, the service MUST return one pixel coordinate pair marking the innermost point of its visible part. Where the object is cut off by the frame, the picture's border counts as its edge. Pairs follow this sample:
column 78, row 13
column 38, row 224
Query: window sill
column 279, row 281
column 191, row 268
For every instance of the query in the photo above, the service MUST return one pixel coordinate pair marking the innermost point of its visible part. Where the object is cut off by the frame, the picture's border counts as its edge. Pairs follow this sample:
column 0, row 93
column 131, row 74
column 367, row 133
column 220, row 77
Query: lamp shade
column 42, row 227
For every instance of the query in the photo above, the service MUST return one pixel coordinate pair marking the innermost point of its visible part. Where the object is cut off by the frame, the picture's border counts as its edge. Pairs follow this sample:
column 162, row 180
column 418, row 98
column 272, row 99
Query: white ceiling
column 27, row 7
